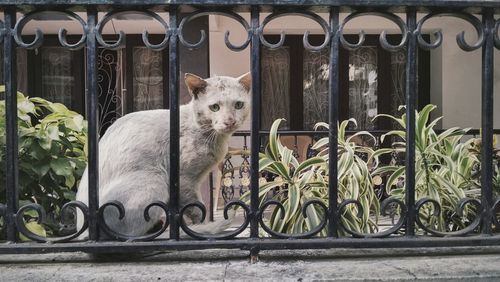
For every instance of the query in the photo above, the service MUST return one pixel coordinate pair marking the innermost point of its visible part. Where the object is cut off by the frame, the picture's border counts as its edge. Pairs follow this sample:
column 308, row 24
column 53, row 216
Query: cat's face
column 220, row 103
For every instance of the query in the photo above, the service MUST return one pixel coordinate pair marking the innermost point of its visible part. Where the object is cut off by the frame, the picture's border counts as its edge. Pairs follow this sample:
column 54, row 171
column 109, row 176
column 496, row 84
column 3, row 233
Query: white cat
column 134, row 154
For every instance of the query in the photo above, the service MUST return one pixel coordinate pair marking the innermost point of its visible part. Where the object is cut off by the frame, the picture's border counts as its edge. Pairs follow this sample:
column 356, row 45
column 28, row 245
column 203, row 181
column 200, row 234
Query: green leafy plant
column 445, row 170
column 52, row 154
column 476, row 149
column 296, row 183
column 355, row 182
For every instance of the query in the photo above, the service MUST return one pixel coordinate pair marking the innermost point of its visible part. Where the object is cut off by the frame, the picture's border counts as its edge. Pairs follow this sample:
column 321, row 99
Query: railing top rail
column 397, row 5
column 470, row 132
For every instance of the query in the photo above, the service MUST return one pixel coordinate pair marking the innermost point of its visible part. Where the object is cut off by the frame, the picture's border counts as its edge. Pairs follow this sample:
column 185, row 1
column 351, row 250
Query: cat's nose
column 229, row 123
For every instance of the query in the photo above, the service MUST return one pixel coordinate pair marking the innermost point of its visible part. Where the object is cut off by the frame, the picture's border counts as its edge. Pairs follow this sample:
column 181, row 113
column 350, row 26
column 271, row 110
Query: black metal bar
column 93, row 123
column 377, row 132
column 255, row 138
column 173, row 87
column 487, row 122
column 11, row 170
column 211, row 201
column 411, row 104
column 399, row 5
column 333, row 115
column 249, row 244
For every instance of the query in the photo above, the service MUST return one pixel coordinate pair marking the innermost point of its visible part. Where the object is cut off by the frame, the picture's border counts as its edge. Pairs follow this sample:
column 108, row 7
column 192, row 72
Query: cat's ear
column 195, row 84
column 246, row 81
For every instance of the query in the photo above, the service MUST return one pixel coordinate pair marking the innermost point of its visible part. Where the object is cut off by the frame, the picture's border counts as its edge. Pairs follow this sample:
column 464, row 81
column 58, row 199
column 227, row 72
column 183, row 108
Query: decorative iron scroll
column 203, row 35
column 227, row 187
column 496, row 36
column 384, row 208
column 461, row 205
column 65, row 212
column 278, row 14
column 38, row 41
column 244, row 173
column 120, row 42
column 201, row 207
column 495, row 210
column 3, row 210
column 383, row 36
column 121, row 214
column 314, row 230
column 475, row 22
column 110, row 108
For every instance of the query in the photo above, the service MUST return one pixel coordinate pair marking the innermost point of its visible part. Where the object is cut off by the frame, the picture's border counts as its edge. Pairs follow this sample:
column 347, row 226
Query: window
column 58, row 75
column 371, row 81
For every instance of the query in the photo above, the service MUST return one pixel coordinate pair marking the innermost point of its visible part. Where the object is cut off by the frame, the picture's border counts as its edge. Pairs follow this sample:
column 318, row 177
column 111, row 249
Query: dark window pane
column 315, row 87
column 147, row 79
column 275, row 69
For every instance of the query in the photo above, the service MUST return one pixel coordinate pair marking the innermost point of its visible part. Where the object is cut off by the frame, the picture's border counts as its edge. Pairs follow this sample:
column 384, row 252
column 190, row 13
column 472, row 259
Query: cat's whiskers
column 210, row 135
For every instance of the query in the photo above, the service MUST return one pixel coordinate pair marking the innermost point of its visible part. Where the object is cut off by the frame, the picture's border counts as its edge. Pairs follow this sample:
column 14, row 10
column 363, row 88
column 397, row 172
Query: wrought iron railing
column 480, row 14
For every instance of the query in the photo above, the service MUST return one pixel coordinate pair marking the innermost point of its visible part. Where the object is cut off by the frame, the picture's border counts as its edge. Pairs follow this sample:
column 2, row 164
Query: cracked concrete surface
column 232, row 265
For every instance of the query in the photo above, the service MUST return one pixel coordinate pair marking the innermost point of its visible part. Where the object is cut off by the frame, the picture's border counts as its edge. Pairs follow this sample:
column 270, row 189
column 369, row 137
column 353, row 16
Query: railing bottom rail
column 249, row 244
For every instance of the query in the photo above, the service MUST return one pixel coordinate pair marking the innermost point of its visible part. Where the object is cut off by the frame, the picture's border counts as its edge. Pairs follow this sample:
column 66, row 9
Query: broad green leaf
column 273, row 139
column 61, row 166
column 41, row 168
column 264, row 163
column 321, row 124
column 423, row 117
column 263, row 190
column 401, row 122
column 280, row 169
column 308, row 164
column 343, row 126
column 53, row 131
column 293, row 202
column 391, row 181
column 34, row 228
column 321, row 142
column 399, row 133
column 37, row 152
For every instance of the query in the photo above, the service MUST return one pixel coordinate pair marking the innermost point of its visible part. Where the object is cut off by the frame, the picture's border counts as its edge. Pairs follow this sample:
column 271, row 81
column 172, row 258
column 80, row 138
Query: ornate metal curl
column 383, row 210
column 278, row 14
column 121, row 214
column 383, row 36
column 227, row 187
column 475, row 22
column 3, row 210
column 38, row 41
column 20, row 223
column 280, row 206
column 203, row 210
column 120, row 43
column 459, row 210
column 495, row 34
column 203, row 35
column 494, row 209
column 244, row 174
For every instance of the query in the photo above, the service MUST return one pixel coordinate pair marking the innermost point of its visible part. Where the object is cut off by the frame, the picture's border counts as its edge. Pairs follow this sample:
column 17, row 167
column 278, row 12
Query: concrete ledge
column 466, row 264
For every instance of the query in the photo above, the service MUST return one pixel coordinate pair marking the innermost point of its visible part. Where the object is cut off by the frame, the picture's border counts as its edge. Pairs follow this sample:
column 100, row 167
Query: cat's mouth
column 228, row 129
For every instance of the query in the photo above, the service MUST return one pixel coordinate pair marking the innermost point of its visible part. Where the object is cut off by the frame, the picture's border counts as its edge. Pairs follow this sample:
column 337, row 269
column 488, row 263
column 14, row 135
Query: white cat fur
column 134, row 155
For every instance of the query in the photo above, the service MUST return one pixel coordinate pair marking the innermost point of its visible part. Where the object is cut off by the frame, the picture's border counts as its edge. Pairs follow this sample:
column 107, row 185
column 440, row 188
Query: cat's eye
column 214, row 107
column 238, row 105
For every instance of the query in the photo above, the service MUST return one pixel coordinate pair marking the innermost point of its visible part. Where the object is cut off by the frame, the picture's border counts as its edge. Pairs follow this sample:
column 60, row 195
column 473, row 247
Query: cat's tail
column 212, row 228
